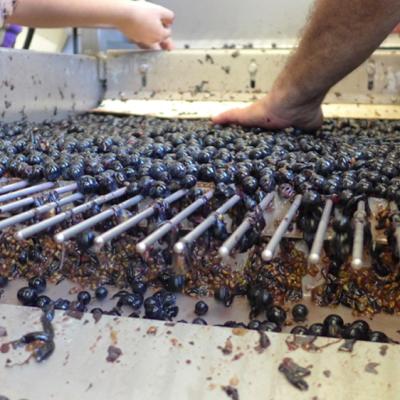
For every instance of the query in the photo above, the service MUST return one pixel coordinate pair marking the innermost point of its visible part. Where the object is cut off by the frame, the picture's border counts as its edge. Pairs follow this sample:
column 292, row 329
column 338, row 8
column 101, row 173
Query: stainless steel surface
column 375, row 205
column 269, row 251
column 201, row 75
column 217, row 314
column 40, row 86
column 320, row 235
column 142, row 246
column 358, row 243
column 105, row 237
column 160, row 361
column 75, row 83
column 206, row 224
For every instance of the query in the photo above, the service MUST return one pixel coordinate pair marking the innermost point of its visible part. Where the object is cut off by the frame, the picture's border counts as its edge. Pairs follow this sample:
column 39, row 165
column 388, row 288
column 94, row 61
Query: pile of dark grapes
column 347, row 160
column 155, row 156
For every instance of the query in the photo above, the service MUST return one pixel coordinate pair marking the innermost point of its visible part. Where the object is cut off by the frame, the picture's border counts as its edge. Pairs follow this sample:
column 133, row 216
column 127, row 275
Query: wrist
column 294, row 93
column 122, row 15
column 289, row 106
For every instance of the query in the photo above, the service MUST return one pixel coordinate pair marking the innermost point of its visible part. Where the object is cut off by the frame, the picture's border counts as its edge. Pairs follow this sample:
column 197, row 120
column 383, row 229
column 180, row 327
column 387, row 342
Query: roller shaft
column 27, row 191
column 29, row 200
column 232, row 241
column 320, row 234
column 49, row 222
column 27, row 215
column 358, row 243
column 206, row 224
column 13, row 186
column 136, row 219
column 96, row 219
column 269, row 251
column 169, row 225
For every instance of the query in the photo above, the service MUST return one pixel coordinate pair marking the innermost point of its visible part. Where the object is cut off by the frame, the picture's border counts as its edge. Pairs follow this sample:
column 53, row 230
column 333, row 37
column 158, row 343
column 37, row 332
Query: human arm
column 339, row 36
column 142, row 22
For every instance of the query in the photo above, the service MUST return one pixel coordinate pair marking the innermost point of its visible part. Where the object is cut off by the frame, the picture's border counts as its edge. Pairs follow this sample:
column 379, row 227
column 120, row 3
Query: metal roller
column 358, row 243
column 13, row 186
column 29, row 200
column 206, row 224
column 49, row 222
column 316, row 248
column 27, row 215
column 96, row 219
column 233, row 240
column 168, row 225
column 26, row 192
column 269, row 251
column 136, row 219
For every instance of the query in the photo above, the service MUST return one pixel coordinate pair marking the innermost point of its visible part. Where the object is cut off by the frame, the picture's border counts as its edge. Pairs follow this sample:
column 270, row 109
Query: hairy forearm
column 65, row 13
column 340, row 35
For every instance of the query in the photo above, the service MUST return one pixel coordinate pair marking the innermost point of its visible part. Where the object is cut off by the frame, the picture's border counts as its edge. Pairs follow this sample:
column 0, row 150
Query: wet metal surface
column 41, row 86
column 155, row 360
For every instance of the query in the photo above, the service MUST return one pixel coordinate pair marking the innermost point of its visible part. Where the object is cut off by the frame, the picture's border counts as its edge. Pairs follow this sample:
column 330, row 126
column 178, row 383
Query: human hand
column 148, row 25
column 274, row 111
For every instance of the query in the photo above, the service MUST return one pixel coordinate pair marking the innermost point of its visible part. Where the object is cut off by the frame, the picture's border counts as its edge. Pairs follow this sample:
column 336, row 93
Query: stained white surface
column 182, row 362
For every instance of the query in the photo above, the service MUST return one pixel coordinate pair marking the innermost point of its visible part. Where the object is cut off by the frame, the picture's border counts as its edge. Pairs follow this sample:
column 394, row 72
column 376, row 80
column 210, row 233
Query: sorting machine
column 176, row 360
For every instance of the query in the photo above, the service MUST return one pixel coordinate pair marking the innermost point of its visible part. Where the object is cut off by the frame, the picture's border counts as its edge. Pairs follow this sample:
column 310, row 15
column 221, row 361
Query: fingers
column 163, row 42
column 156, row 46
column 167, row 16
column 167, row 32
column 254, row 115
column 167, row 44
column 223, row 118
column 144, row 46
column 261, row 114
column 234, row 116
column 149, row 26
